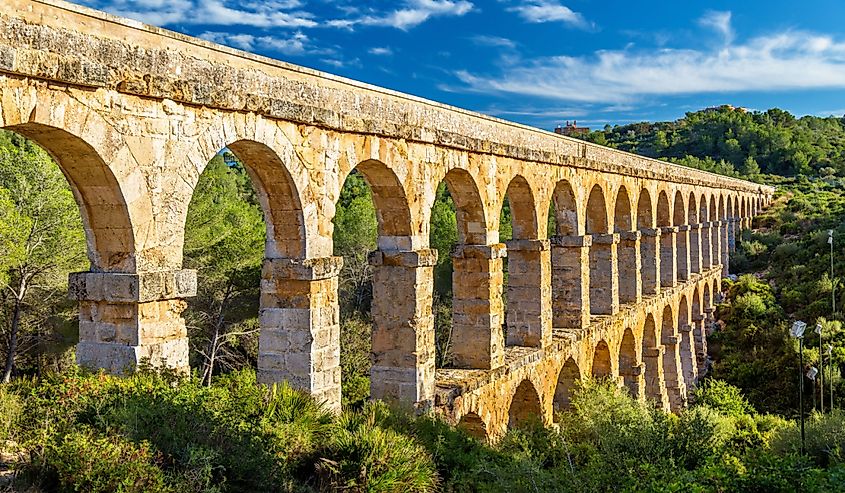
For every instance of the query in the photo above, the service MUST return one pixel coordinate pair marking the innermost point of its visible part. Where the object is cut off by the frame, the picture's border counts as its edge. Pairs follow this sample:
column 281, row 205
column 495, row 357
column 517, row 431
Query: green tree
column 224, row 242
column 42, row 238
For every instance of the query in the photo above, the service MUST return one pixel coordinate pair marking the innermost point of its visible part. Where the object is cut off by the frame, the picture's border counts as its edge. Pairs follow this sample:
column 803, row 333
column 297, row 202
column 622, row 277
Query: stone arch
column 692, row 209
column 629, row 368
column 393, row 212
column 469, row 207
column 622, row 211
column 687, row 349
column 649, row 245
column 679, row 211
column 279, row 199
column 628, row 254
column 396, row 325
column 601, row 367
column 668, row 251
column 645, row 211
column 703, row 215
column 651, row 353
column 722, row 214
column 525, row 405
column 712, row 209
column 474, row 426
column 567, row 379
column 679, row 220
column 566, row 210
column 671, row 359
column 597, row 222
column 694, row 235
column 105, row 214
column 523, row 209
column 698, row 337
column 604, row 291
column 664, row 215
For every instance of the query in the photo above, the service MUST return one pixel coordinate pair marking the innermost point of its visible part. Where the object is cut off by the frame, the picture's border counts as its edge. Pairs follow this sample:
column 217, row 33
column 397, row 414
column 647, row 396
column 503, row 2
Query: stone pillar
column 668, row 257
column 129, row 319
column 630, row 281
column 650, row 258
column 725, row 245
column 655, row 386
column 633, row 380
column 477, row 310
column 571, row 281
column 688, row 357
column 300, row 326
column 716, row 243
column 529, row 309
column 706, row 247
column 604, row 275
column 735, row 230
column 695, row 260
column 683, row 254
column 672, row 369
column 700, row 341
column 403, row 327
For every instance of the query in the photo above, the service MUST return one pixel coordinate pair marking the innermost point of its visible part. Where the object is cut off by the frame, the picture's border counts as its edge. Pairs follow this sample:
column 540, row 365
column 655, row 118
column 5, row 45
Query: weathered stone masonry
column 623, row 288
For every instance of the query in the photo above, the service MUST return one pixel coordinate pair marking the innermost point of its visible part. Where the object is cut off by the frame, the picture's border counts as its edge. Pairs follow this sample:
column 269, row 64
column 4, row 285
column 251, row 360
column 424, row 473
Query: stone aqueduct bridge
column 623, row 287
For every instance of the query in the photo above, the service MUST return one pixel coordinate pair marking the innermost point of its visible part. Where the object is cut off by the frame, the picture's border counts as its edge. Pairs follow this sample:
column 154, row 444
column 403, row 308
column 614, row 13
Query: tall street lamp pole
column 797, row 331
column 821, row 368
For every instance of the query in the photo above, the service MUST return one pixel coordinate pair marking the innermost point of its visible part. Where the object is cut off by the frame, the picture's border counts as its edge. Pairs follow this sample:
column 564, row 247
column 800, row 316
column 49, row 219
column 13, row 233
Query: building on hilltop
column 572, row 129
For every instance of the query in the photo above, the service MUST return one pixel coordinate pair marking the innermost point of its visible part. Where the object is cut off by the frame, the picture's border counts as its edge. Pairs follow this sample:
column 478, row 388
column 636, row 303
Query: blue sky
column 542, row 62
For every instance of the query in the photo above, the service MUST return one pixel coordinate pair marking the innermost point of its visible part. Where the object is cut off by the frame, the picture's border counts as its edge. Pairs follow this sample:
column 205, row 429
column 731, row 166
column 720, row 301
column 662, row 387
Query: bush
column 10, row 411
column 84, row 462
column 363, row 456
column 825, row 438
column 722, row 397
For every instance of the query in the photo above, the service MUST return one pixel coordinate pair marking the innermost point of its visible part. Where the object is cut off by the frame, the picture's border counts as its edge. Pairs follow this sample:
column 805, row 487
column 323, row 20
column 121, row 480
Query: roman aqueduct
column 624, row 288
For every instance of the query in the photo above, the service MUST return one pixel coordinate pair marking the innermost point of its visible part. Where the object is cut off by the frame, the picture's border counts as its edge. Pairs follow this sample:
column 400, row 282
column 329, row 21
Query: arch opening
column 629, row 367
column 48, row 226
column 602, row 367
column 567, row 380
column 525, row 405
column 604, row 287
column 672, row 370
column 474, row 426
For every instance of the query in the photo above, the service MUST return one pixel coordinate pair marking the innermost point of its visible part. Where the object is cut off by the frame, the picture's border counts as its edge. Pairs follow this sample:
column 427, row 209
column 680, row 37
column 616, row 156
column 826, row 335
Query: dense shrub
column 160, row 432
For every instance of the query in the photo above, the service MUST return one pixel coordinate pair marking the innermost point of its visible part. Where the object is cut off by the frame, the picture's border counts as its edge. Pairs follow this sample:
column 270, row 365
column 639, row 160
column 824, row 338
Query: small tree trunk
column 13, row 341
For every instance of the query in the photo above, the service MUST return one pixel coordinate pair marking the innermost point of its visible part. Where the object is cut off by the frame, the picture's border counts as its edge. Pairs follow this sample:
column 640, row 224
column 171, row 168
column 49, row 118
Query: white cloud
column 380, row 51
column 719, row 22
column 790, row 60
column 537, row 11
column 494, row 41
column 213, row 12
column 412, row 14
column 297, row 44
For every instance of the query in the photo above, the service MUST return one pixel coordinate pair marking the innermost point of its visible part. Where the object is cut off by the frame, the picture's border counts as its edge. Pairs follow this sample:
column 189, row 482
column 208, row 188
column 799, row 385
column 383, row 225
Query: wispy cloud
column 411, row 14
column 296, row 44
column 277, row 13
column 719, row 22
column 494, row 41
column 781, row 61
column 211, row 12
column 537, row 11
column 380, row 51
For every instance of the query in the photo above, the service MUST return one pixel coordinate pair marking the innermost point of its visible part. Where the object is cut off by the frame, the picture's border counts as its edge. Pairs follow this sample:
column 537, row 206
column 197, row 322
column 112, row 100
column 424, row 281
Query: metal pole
column 821, row 372
column 801, row 388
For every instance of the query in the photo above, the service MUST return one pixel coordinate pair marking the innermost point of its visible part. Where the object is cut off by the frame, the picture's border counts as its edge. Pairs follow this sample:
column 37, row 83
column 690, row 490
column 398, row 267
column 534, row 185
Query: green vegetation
column 97, row 433
column 733, row 141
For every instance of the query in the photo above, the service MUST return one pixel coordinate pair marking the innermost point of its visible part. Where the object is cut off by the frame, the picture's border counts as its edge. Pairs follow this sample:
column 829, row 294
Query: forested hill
column 738, row 142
